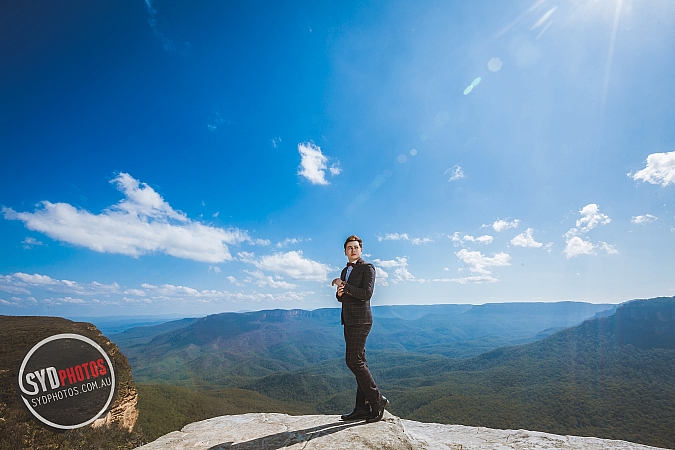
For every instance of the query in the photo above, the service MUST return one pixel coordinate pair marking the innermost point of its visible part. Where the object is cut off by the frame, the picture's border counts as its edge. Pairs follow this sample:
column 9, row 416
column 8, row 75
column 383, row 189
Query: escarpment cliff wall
column 19, row 430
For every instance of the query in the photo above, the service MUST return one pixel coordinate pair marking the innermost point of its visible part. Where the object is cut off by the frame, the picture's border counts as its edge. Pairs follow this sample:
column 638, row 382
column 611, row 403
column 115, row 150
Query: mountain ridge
column 261, row 342
column 583, row 380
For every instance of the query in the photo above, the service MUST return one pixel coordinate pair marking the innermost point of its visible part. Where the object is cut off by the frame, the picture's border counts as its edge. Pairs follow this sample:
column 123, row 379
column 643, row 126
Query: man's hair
column 354, row 238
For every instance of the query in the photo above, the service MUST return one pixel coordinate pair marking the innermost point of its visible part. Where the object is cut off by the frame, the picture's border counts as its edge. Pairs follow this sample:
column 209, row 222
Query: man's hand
column 341, row 286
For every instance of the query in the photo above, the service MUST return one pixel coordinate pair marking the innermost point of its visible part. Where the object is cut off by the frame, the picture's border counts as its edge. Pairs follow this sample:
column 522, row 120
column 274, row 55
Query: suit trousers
column 355, row 357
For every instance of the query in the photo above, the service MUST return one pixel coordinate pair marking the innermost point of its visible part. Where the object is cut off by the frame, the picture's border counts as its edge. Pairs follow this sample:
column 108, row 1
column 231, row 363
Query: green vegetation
column 610, row 377
column 212, row 350
column 619, row 393
column 165, row 408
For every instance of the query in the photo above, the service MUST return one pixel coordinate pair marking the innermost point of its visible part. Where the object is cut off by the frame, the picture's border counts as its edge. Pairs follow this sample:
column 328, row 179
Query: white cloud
column 313, row 164
column 485, row 239
column 660, row 169
column 458, row 239
column 610, row 249
column 143, row 201
column 476, row 279
column 388, row 264
column 456, row 173
column 38, row 280
column 418, row 241
column 292, row 264
column 647, row 218
column 335, row 169
column 23, row 283
column 18, row 302
column 398, row 268
column 233, row 280
column 141, row 223
column 526, row 240
column 215, row 269
column 501, row 225
column 478, row 263
column 261, row 279
column 247, row 257
column 394, row 237
column 185, row 293
column 591, row 218
column 577, row 246
column 168, row 44
column 29, row 242
column 95, row 293
column 381, row 276
column 288, row 241
column 171, row 293
column 9, row 285
column 135, row 292
column 76, row 301
column 404, row 237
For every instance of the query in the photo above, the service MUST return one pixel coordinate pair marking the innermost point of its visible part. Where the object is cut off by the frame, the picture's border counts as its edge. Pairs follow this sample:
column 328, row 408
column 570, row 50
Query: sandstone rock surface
column 277, row 431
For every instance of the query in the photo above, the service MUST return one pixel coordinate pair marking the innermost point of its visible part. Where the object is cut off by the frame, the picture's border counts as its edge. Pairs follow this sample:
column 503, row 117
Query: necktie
column 350, row 266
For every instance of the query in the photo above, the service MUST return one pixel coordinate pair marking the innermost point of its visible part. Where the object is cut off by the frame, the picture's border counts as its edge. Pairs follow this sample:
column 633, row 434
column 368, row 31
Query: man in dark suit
column 354, row 289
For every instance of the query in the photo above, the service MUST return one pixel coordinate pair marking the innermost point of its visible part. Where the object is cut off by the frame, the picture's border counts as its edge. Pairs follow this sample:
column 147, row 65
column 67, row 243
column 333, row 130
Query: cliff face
column 18, row 430
column 275, row 431
column 123, row 414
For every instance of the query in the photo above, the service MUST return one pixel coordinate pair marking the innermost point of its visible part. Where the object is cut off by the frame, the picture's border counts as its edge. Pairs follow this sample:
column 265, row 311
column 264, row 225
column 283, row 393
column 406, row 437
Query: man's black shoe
column 357, row 414
column 378, row 411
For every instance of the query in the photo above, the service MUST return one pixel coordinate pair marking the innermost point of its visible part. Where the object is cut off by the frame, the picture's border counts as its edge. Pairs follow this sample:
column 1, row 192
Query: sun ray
column 543, row 30
column 610, row 56
column 534, row 6
column 544, row 18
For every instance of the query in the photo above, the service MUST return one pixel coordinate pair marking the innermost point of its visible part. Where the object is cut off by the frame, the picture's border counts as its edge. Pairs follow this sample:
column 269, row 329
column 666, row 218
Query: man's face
column 353, row 251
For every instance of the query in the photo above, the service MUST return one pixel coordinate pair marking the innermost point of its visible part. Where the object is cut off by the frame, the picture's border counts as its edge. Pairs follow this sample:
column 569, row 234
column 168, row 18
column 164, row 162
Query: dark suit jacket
column 356, row 297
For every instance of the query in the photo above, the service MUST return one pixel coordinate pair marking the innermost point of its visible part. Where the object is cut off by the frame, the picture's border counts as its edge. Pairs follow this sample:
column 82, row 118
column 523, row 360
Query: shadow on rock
column 287, row 438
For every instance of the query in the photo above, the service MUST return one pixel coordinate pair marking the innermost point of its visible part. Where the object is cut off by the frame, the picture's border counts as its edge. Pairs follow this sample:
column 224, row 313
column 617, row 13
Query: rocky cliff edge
column 277, row 431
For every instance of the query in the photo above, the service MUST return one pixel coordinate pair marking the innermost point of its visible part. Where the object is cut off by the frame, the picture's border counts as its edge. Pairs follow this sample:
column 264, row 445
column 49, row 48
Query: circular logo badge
column 67, row 381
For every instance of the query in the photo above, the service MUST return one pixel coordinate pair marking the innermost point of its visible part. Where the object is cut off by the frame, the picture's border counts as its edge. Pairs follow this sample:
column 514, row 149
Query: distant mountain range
column 611, row 377
column 265, row 342
column 566, row 368
column 116, row 324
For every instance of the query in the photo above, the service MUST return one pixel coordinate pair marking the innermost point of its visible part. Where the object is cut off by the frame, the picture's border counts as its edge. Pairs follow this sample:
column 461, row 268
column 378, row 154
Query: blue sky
column 163, row 157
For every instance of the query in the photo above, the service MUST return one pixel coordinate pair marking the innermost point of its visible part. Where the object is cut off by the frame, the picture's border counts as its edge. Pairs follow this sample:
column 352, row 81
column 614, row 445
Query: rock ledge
column 276, row 431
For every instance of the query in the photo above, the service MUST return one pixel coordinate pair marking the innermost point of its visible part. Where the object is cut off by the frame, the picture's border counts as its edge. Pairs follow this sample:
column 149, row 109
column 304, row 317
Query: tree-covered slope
column 213, row 349
column 611, row 377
